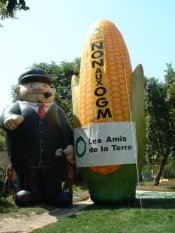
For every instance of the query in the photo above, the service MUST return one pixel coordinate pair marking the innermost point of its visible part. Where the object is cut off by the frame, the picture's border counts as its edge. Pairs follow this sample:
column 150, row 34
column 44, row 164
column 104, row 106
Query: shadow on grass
column 71, row 211
column 8, row 208
column 156, row 203
column 152, row 203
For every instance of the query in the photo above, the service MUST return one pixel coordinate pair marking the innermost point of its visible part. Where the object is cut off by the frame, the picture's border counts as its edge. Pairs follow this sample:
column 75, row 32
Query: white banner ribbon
column 103, row 144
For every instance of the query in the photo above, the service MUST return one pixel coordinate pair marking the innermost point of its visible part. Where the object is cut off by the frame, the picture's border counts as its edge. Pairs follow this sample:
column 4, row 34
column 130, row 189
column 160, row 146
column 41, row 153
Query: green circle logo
column 80, row 147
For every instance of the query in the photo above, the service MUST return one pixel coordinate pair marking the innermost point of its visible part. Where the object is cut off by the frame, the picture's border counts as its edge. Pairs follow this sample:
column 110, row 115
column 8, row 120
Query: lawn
column 143, row 216
column 168, row 186
column 154, row 216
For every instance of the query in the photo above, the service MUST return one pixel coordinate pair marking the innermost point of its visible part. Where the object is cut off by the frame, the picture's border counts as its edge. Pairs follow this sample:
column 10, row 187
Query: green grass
column 9, row 209
column 168, row 186
column 149, row 215
column 154, row 216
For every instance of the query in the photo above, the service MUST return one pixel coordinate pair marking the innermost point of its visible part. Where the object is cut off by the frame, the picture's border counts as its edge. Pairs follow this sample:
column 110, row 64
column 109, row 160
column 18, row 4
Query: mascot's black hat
column 34, row 74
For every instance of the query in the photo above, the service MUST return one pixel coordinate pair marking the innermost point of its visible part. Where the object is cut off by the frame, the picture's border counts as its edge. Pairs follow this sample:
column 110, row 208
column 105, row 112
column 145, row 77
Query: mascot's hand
column 13, row 121
column 69, row 153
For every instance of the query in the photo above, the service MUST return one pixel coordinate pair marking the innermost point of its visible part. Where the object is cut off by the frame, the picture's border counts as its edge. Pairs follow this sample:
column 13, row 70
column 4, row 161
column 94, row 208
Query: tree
column 170, row 85
column 158, row 121
column 170, row 99
column 8, row 8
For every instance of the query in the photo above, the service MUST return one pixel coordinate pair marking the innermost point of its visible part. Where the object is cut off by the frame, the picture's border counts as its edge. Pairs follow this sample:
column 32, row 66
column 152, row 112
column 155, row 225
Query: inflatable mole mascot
column 39, row 141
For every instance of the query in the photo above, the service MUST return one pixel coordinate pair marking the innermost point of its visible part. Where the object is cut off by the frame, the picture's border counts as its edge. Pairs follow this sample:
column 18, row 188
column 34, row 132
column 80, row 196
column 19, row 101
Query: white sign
column 108, row 143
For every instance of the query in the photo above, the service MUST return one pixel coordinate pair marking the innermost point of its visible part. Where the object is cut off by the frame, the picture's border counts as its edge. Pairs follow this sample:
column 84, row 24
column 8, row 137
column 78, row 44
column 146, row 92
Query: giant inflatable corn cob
column 109, row 123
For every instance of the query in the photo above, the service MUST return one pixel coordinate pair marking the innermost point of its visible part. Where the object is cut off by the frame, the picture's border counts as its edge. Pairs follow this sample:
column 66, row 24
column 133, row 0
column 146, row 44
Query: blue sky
column 55, row 30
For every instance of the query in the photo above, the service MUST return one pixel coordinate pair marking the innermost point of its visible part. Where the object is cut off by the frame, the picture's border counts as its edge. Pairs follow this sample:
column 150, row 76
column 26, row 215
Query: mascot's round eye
column 45, row 85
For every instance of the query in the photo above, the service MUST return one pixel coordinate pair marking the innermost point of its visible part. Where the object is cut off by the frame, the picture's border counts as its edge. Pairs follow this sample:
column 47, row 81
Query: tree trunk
column 157, row 179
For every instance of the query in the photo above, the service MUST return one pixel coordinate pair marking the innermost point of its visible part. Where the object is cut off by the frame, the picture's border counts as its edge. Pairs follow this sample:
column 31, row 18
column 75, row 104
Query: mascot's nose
column 47, row 94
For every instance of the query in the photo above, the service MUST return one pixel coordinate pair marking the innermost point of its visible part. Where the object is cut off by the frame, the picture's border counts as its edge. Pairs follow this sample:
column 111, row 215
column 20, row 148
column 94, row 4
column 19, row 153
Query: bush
column 169, row 170
column 147, row 173
column 2, row 143
column 2, row 176
column 2, row 140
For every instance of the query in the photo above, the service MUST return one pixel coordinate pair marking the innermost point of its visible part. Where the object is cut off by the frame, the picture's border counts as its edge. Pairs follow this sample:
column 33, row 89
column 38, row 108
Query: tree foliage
column 8, row 8
column 170, row 84
column 170, row 99
column 160, row 120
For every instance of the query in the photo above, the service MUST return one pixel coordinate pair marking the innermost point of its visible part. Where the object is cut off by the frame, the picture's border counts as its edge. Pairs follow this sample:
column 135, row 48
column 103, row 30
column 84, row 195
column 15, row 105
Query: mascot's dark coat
column 35, row 147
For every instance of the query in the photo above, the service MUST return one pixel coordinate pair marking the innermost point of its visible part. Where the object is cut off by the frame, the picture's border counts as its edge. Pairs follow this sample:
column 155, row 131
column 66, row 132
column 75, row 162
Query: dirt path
column 28, row 224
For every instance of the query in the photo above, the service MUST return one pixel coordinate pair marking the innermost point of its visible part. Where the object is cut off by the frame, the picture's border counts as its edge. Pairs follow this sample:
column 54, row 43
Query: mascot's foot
column 64, row 199
column 24, row 198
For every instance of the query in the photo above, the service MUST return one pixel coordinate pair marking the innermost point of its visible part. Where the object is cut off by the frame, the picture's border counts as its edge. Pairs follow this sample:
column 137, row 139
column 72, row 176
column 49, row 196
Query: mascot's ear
column 17, row 88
